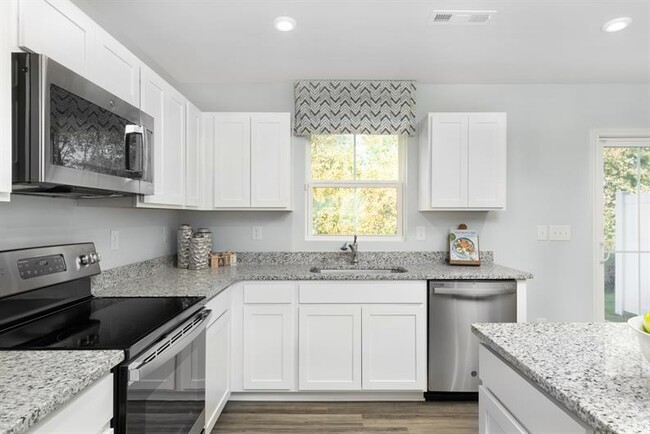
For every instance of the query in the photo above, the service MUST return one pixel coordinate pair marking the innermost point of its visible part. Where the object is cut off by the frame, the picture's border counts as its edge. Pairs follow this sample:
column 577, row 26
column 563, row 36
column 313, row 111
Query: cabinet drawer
column 219, row 304
column 536, row 412
column 367, row 292
column 268, row 293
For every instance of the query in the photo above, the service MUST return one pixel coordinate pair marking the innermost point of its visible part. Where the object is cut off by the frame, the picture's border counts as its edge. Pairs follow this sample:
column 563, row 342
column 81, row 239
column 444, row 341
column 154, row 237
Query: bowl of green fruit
column 641, row 325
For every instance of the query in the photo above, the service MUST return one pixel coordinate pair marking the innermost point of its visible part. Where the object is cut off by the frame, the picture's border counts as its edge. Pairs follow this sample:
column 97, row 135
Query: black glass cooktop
column 101, row 323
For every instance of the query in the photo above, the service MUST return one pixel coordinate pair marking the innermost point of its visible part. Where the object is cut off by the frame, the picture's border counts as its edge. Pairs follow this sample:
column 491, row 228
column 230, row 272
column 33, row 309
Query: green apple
column 646, row 322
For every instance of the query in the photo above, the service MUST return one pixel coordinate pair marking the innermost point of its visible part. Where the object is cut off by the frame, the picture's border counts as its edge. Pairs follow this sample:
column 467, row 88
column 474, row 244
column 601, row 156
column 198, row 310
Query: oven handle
column 168, row 347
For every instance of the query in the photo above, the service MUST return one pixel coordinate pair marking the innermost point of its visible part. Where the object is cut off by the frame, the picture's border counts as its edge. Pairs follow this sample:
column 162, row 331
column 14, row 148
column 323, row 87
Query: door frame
column 596, row 174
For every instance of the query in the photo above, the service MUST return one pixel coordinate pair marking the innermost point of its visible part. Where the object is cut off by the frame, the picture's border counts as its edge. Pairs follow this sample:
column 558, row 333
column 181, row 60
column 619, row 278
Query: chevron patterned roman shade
column 354, row 107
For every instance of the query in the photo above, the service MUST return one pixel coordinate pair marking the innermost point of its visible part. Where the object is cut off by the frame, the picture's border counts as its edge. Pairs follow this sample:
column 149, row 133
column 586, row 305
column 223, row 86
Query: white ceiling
column 218, row 41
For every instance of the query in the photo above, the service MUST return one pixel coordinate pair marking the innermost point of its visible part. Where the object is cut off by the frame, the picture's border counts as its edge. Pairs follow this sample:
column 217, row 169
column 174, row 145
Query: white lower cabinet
column 217, row 371
column 337, row 336
column 494, row 418
column 268, row 350
column 508, row 403
column 362, row 336
column 329, row 347
column 394, row 340
column 89, row 412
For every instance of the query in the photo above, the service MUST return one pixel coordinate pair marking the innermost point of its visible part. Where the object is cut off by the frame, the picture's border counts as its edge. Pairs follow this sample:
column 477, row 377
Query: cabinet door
column 169, row 141
column 57, row 29
column 493, row 417
column 232, row 164
column 152, row 103
column 270, row 160
column 448, row 160
column 394, row 347
column 217, row 371
column 329, row 347
column 487, row 160
column 7, row 24
column 115, row 68
column 269, row 347
column 193, row 169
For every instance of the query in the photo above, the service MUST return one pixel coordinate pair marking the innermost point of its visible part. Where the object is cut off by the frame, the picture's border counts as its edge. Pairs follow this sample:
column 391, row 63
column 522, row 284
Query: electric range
column 46, row 304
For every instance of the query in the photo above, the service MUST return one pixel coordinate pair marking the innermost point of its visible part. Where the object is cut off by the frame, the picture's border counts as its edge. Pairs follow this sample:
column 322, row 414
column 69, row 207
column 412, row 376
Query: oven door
column 163, row 390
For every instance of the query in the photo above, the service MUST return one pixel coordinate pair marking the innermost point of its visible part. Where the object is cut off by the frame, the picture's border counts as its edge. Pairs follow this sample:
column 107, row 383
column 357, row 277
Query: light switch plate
column 559, row 232
column 420, row 233
column 542, row 233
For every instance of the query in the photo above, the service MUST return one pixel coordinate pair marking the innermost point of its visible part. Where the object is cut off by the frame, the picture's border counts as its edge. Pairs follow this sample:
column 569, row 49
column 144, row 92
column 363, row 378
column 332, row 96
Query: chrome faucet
column 354, row 249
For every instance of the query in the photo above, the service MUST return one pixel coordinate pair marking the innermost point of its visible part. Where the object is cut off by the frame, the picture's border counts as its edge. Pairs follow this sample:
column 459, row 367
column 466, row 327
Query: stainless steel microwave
column 73, row 138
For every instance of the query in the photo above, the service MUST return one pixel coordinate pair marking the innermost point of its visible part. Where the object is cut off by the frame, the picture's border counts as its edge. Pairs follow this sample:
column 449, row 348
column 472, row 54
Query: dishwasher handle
column 473, row 292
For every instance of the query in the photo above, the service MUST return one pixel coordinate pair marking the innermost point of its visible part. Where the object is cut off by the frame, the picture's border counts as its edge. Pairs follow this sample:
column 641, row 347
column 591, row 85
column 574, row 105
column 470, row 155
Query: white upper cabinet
column 115, row 68
column 173, row 152
column 59, row 30
column 231, row 161
column 487, row 160
column 462, row 161
column 251, row 161
column 270, row 157
column 168, row 108
column 193, row 169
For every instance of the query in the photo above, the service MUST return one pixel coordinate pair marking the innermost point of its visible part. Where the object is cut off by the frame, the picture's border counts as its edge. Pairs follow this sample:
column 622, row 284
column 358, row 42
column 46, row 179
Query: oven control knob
column 97, row 256
column 84, row 259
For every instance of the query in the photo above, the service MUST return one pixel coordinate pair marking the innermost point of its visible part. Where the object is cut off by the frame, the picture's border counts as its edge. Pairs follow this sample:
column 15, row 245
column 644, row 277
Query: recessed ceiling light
column 616, row 25
column 284, row 24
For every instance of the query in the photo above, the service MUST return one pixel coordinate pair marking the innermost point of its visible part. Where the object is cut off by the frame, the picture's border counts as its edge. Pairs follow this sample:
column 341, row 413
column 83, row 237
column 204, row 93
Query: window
column 354, row 186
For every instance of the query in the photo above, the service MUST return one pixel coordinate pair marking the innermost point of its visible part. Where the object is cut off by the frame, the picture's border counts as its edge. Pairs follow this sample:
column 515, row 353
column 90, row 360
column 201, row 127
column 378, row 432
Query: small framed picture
column 463, row 247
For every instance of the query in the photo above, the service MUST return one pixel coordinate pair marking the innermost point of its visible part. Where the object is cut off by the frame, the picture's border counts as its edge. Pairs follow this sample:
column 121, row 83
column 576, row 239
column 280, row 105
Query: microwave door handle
column 141, row 369
column 134, row 144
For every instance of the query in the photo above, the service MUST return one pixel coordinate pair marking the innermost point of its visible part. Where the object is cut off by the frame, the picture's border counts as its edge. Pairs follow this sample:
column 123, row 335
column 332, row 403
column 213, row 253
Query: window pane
column 377, row 158
column 332, row 157
column 377, row 211
column 333, row 211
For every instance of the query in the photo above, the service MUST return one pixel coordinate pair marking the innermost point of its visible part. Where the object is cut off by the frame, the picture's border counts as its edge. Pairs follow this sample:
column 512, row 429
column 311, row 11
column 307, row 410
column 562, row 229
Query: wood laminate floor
column 349, row 417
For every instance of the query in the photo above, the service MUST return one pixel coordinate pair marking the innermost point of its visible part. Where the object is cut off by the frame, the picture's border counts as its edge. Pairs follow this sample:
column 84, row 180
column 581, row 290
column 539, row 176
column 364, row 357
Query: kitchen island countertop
column 33, row 384
column 594, row 370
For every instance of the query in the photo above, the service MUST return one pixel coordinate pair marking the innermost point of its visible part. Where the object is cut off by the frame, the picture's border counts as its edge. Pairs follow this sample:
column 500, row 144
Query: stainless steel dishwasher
column 453, row 350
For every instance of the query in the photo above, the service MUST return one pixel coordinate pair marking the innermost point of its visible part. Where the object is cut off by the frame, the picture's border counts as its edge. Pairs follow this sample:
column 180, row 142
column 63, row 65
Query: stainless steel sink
column 367, row 271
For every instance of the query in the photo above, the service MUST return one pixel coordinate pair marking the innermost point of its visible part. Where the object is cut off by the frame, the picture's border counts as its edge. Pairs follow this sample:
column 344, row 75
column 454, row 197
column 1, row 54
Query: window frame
column 400, row 184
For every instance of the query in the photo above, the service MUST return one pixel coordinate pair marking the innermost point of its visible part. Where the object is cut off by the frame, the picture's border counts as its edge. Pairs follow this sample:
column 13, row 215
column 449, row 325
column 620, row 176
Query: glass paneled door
column 624, row 262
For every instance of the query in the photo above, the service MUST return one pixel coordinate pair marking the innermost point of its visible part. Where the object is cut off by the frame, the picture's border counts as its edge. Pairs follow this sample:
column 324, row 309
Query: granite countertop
column 161, row 278
column 35, row 383
column 595, row 370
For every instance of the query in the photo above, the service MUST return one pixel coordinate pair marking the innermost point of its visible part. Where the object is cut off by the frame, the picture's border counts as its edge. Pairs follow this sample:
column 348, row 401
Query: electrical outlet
column 542, row 233
column 165, row 235
column 115, row 240
column 420, row 233
column 257, row 232
column 559, row 232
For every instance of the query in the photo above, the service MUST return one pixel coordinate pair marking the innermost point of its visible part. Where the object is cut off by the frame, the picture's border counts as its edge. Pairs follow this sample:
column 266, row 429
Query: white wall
column 39, row 221
column 548, row 181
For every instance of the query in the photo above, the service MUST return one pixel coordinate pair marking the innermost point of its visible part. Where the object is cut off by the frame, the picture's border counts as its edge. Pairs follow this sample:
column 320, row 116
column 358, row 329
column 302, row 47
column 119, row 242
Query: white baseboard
column 327, row 396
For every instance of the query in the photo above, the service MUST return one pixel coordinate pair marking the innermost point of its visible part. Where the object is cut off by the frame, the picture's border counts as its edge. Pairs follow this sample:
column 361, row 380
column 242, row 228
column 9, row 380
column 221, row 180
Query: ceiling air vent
column 461, row 17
